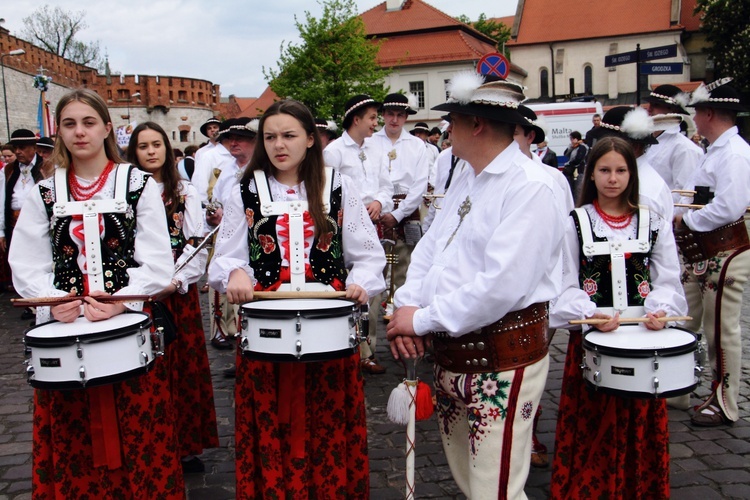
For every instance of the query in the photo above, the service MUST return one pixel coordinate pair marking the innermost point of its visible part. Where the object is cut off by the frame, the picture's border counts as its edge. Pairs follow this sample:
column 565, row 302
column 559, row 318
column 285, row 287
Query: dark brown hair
column 312, row 169
column 602, row 147
column 170, row 177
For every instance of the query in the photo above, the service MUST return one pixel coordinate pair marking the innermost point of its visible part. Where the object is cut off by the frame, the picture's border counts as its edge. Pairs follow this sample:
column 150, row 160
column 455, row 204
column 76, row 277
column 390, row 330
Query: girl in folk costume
column 300, row 427
column 607, row 445
column 117, row 440
column 190, row 375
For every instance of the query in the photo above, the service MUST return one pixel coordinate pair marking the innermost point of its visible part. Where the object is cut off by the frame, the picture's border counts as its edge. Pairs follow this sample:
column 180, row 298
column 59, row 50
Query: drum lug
column 26, row 350
column 82, row 374
column 243, row 323
column 656, row 385
column 141, row 339
column 299, row 328
column 299, row 348
column 158, row 340
column 656, row 363
column 354, row 340
column 29, row 374
column 144, row 358
column 595, row 358
column 79, row 352
column 597, row 377
column 244, row 343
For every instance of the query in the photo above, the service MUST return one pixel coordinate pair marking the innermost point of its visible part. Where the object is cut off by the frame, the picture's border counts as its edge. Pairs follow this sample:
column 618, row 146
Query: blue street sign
column 661, row 69
column 662, row 52
column 494, row 64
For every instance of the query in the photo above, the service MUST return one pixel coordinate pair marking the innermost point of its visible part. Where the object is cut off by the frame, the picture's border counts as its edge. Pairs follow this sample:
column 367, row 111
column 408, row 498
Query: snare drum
column 636, row 362
column 84, row 353
column 300, row 329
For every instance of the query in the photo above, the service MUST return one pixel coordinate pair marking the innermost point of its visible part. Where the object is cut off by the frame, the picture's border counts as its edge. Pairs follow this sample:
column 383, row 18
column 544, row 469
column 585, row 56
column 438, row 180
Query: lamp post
column 16, row 52
column 137, row 94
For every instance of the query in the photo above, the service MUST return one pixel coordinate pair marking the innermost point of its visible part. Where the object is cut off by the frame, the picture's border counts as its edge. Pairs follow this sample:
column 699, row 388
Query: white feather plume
column 253, row 125
column 637, row 124
column 463, row 85
column 682, row 99
column 413, row 101
column 332, row 126
column 701, row 94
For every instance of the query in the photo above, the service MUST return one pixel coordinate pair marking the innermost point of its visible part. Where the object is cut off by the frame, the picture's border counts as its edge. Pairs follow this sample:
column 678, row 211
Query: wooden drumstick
column 299, row 295
column 697, row 207
column 686, row 192
column 54, row 301
column 601, row 321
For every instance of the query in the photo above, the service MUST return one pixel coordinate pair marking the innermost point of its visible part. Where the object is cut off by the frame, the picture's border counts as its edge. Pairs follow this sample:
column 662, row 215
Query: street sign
column 662, row 52
column 661, row 69
column 494, row 64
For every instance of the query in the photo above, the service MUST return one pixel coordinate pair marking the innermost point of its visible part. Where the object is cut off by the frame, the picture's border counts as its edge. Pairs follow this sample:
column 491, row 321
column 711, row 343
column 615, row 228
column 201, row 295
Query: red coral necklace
column 83, row 193
column 613, row 221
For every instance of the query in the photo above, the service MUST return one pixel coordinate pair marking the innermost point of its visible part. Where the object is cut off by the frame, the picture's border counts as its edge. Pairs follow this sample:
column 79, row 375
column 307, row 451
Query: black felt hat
column 23, row 137
column 45, row 142
column 243, row 127
column 204, row 127
column 717, row 95
column 399, row 101
column 671, row 97
column 629, row 123
column 533, row 124
column 495, row 100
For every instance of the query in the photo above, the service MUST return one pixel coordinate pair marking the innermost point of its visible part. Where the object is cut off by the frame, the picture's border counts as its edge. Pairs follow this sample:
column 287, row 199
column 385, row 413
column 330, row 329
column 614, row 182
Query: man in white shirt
column 408, row 167
column 421, row 131
column 354, row 154
column 675, row 157
column 209, row 160
column 714, row 277
column 479, row 280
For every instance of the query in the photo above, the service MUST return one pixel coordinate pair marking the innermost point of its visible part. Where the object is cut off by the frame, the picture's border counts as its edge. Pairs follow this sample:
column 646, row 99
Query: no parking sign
column 494, row 64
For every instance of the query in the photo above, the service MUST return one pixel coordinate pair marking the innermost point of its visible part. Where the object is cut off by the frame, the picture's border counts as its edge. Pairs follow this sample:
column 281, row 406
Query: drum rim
column 641, row 353
column 622, row 393
column 313, row 357
column 248, row 311
column 69, row 385
column 86, row 338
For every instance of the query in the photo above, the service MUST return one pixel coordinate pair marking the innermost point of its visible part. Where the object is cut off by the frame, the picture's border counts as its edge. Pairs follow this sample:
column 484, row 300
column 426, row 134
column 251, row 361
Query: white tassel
column 463, row 85
column 637, row 124
column 398, row 405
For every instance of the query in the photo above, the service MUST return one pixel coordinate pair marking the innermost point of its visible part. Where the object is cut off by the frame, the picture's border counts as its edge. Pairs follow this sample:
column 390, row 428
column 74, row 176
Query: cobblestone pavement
column 706, row 463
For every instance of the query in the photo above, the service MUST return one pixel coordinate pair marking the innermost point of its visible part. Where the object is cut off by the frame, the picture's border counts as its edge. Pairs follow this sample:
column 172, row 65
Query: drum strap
column 296, row 210
column 90, row 211
column 616, row 250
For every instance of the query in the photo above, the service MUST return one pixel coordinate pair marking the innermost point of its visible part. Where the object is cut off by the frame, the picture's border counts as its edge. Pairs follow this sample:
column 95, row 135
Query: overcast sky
column 226, row 41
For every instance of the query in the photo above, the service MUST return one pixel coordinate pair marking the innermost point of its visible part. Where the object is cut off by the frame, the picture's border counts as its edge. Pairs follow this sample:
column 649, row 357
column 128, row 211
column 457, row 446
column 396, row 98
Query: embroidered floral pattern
column 250, row 217
column 324, row 242
column 176, row 226
column 644, row 288
column 268, row 243
column 590, row 286
column 527, row 410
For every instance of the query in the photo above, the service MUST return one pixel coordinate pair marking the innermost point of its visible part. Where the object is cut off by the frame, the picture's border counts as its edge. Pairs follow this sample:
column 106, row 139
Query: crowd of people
column 474, row 235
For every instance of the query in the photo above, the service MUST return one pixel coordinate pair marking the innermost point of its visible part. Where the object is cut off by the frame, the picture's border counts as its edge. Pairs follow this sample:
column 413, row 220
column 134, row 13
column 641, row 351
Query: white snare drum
column 83, row 353
column 636, row 362
column 299, row 329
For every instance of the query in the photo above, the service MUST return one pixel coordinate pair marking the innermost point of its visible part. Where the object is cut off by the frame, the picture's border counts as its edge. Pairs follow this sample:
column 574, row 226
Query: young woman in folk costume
column 300, row 427
column 608, row 446
column 117, row 440
column 190, row 375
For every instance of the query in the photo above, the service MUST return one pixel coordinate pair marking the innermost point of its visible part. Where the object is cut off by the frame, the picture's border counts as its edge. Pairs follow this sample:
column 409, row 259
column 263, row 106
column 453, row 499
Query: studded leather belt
column 518, row 339
column 698, row 246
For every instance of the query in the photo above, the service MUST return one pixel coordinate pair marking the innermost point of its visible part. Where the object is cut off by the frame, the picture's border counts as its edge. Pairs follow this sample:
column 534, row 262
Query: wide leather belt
column 698, row 246
column 518, row 339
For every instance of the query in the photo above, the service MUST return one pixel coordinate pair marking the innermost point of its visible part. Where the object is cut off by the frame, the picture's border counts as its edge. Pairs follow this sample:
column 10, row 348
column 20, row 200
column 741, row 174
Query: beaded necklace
column 83, row 193
column 613, row 221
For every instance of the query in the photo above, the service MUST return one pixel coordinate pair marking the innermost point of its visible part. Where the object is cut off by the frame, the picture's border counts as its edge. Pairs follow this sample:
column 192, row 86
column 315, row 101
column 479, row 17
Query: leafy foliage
column 497, row 31
column 726, row 24
column 55, row 30
column 335, row 61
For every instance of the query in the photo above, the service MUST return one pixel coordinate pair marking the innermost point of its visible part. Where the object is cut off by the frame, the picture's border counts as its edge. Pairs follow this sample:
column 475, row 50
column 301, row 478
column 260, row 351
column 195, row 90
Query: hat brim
column 496, row 113
column 24, row 141
column 539, row 136
column 366, row 104
column 204, row 128
column 399, row 107
column 731, row 106
column 239, row 132
column 675, row 108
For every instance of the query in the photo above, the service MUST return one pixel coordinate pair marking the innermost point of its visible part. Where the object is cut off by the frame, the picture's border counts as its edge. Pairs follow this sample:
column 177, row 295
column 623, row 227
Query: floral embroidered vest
column 117, row 244
column 326, row 253
column 177, row 238
column 595, row 276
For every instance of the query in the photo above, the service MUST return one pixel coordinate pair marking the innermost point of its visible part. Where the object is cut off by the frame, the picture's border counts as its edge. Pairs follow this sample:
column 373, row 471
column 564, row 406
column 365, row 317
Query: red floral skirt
column 300, row 430
column 607, row 446
column 63, row 455
column 190, row 376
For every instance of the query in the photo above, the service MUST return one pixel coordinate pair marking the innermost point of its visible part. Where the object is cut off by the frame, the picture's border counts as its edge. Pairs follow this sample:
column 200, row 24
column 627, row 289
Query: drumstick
column 298, row 295
column 53, row 301
column 601, row 321
column 693, row 205
column 684, row 191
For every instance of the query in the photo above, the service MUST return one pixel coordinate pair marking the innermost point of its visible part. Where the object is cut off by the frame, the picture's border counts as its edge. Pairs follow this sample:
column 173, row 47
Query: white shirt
column 30, row 255
column 442, row 171
column 363, row 254
column 666, row 290
column 215, row 158
column 502, row 256
column 432, row 156
column 675, row 158
column 23, row 186
column 725, row 169
column 366, row 166
column 653, row 191
column 2, row 203
column 192, row 226
column 230, row 175
column 408, row 170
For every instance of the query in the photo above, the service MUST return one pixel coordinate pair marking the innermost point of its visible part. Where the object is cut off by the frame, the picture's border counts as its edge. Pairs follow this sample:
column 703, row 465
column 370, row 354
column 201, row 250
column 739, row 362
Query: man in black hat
column 209, row 159
column 714, row 276
column 481, row 277
column 422, row 131
column 675, row 157
column 408, row 166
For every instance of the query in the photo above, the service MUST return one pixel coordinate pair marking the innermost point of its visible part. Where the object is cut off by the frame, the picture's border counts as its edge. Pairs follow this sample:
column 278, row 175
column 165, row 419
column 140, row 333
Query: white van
column 562, row 118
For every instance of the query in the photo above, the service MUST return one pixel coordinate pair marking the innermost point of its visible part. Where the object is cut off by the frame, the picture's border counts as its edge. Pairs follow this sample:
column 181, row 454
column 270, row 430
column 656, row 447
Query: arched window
column 588, row 80
column 543, row 83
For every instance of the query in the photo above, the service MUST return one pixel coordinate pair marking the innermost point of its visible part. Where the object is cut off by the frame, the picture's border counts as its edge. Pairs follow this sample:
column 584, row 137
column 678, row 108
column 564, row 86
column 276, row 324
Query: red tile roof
column 544, row 21
column 430, row 48
column 413, row 16
column 256, row 107
column 507, row 20
column 691, row 22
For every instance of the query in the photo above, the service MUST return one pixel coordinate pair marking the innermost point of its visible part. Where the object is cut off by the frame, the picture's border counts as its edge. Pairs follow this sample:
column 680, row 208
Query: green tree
column 55, row 30
column 726, row 24
column 497, row 31
column 334, row 61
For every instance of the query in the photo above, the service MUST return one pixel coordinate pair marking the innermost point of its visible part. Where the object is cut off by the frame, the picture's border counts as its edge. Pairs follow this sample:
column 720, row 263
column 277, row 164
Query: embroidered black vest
column 595, row 277
column 175, row 225
column 326, row 254
column 117, row 243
